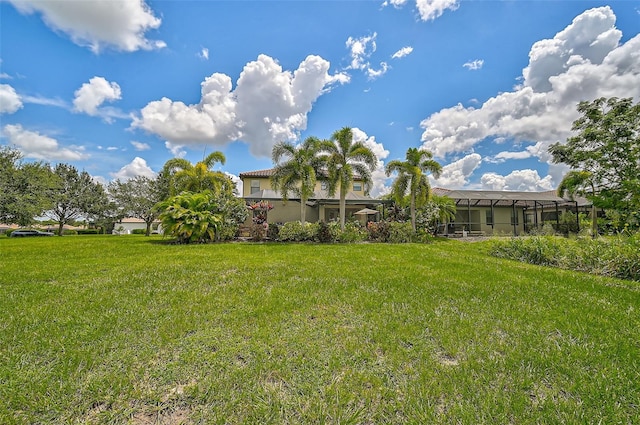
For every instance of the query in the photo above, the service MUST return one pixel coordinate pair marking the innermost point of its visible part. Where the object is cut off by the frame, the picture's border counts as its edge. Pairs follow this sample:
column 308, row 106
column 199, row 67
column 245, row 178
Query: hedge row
column 615, row 256
column 295, row 231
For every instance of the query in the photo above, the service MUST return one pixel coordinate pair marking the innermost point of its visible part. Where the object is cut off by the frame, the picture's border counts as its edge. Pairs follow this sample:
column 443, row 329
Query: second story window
column 255, row 186
column 357, row 186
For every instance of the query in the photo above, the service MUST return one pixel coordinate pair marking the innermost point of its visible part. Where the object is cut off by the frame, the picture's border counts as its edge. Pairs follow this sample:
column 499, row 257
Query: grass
column 104, row 329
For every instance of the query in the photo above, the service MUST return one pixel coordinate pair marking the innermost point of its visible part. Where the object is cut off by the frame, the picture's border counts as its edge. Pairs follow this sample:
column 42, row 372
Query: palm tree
column 343, row 159
column 186, row 177
column 580, row 183
column 412, row 175
column 298, row 173
column 446, row 209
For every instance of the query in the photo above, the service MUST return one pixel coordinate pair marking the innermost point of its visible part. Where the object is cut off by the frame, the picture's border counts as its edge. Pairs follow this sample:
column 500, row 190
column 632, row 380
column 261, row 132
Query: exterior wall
column 282, row 213
column 265, row 183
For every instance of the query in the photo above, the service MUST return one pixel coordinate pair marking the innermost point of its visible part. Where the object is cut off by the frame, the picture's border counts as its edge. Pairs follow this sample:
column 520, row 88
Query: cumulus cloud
column 518, row 180
column 474, row 64
column 379, row 177
column 139, row 146
column 582, row 62
column 236, row 180
column 402, row 52
column 137, row 167
column 456, row 174
column 360, row 49
column 118, row 24
column 429, row 10
column 9, row 100
column 94, row 93
column 268, row 105
column 37, row 146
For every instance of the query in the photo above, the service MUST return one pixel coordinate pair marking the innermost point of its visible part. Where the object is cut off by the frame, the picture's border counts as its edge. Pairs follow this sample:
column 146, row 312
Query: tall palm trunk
column 303, row 209
column 413, row 211
column 594, row 215
column 343, row 206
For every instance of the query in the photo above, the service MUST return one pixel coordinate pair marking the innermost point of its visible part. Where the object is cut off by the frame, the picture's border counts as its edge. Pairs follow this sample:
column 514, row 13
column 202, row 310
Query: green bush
column 324, row 233
column 400, row 232
column 273, row 231
column 91, row 231
column 257, row 232
column 617, row 256
column 138, row 231
column 353, row 232
column 378, row 231
column 295, row 231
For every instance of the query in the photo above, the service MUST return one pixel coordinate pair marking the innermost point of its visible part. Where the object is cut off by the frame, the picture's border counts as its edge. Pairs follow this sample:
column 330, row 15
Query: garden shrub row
column 295, row 231
column 614, row 256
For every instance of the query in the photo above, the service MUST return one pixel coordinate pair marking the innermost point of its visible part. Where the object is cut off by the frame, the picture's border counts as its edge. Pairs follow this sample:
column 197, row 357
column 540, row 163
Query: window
column 255, row 186
column 489, row 217
column 357, row 186
column 324, row 186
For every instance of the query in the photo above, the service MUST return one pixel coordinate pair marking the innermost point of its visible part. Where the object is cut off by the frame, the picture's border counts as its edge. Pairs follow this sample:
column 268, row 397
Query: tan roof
column 269, row 173
column 505, row 197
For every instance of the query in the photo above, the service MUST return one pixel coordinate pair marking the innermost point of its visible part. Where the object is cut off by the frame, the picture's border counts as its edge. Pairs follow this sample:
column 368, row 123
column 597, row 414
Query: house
column 498, row 212
column 127, row 225
column 320, row 207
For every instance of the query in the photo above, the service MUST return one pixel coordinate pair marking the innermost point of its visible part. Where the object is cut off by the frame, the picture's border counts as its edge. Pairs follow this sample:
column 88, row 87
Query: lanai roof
column 506, row 198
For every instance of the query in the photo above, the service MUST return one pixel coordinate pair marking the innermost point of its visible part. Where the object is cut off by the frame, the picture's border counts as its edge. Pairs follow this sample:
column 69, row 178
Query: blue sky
column 119, row 87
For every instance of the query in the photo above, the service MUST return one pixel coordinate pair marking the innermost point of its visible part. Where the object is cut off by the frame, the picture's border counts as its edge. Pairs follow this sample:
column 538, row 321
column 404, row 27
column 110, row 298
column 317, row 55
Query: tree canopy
column 186, row 177
column 607, row 147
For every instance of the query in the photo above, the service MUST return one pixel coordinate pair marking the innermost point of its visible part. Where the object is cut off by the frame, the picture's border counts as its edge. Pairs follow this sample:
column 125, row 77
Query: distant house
column 320, row 207
column 498, row 212
column 127, row 225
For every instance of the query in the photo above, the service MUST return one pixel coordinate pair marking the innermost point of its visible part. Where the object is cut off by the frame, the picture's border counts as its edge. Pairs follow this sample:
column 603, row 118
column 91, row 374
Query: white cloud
column 139, row 146
column 474, row 65
column 137, row 167
column 582, row 62
column 402, row 52
column 429, row 10
column 518, row 180
column 360, row 49
column 119, row 24
column 376, row 73
column 5, row 76
column 9, row 100
column 378, row 175
column 456, row 174
column 176, row 150
column 236, row 180
column 45, row 101
column 37, row 146
column 268, row 105
column 94, row 93
column 204, row 54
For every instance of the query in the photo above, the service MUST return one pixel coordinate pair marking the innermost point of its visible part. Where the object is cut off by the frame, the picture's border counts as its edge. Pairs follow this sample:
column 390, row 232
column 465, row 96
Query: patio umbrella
column 366, row 211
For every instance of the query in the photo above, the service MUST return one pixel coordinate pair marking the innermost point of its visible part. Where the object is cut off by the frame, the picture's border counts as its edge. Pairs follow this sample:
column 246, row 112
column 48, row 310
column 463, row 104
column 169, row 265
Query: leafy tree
column 76, row 196
column 580, row 183
column 412, row 177
column 607, row 147
column 201, row 217
column 298, row 173
column 345, row 158
column 25, row 188
column 138, row 197
column 186, row 177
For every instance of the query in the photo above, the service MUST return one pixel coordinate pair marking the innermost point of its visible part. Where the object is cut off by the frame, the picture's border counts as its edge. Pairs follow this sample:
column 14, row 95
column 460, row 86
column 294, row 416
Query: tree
column 345, row 158
column 607, row 147
column 298, row 173
column 186, row 177
column 25, row 188
column 76, row 195
column 580, row 183
column 138, row 197
column 412, row 176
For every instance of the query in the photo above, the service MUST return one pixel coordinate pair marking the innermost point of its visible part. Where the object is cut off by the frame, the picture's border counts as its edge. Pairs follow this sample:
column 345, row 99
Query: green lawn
column 106, row 329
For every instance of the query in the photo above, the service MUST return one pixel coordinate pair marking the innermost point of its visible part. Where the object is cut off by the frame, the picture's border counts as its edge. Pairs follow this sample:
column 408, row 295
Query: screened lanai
column 487, row 212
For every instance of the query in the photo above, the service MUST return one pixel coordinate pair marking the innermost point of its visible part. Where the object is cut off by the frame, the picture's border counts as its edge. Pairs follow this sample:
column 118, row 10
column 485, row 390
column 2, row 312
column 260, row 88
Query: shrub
column 295, row 231
column 257, row 232
column 400, row 232
column 92, row 231
column 273, row 231
column 138, row 231
column 378, row 231
column 353, row 232
column 324, row 233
